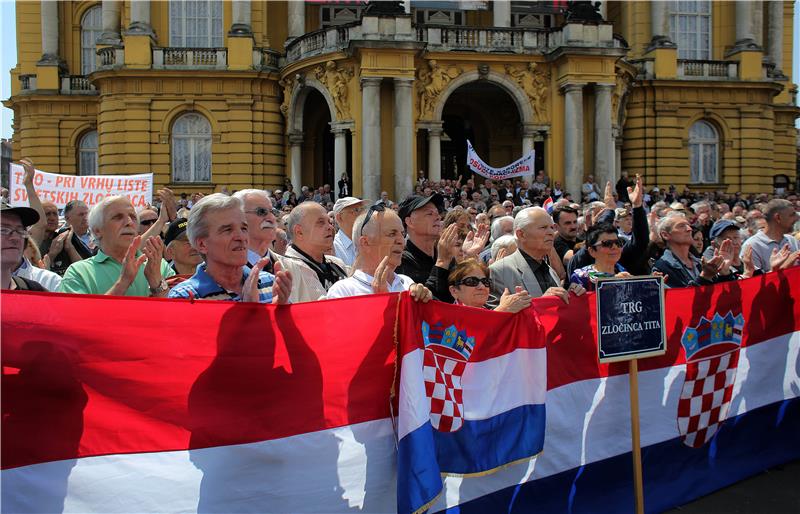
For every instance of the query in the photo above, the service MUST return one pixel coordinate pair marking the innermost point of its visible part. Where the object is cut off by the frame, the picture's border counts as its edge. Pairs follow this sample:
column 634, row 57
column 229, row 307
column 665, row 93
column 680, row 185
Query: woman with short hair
column 470, row 285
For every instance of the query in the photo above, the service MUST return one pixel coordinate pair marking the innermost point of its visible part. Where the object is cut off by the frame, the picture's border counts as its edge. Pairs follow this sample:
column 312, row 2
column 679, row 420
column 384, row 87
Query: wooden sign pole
column 633, row 376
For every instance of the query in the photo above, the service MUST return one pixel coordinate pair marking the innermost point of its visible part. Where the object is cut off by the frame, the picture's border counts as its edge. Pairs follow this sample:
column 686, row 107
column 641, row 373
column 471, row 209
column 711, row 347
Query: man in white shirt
column 380, row 240
column 345, row 212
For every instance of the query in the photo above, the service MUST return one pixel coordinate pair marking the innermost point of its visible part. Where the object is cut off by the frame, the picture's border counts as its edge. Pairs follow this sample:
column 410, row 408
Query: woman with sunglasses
column 470, row 285
column 605, row 247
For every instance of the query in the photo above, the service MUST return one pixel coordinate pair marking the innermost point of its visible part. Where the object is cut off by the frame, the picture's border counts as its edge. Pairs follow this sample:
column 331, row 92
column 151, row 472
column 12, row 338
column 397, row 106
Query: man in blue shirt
column 217, row 229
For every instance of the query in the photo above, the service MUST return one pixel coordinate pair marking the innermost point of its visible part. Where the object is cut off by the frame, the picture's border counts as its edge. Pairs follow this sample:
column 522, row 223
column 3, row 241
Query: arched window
column 195, row 23
column 191, row 149
column 87, row 154
column 91, row 28
column 690, row 28
column 704, row 153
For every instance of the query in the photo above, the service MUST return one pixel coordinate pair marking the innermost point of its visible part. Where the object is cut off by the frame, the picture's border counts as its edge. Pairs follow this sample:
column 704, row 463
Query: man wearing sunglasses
column 261, row 226
column 345, row 212
column 378, row 234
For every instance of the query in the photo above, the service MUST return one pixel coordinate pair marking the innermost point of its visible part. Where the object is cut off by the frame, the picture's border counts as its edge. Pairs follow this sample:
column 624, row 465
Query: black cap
column 27, row 215
column 720, row 227
column 175, row 230
column 414, row 202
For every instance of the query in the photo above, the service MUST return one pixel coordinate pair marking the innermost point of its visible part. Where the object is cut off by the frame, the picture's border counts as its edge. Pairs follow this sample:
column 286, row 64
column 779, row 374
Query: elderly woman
column 470, row 285
column 605, row 246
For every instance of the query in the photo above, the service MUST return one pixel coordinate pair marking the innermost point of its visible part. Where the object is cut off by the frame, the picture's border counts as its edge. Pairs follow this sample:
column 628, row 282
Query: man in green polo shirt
column 119, row 268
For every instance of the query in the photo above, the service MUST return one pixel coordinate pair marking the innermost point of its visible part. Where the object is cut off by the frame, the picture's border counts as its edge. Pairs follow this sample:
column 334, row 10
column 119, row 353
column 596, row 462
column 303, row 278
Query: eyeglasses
column 21, row 232
column 147, row 223
column 611, row 243
column 261, row 212
column 376, row 207
column 474, row 281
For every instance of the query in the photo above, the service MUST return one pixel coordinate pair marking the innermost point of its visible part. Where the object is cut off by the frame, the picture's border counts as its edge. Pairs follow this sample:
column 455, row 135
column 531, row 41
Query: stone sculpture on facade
column 535, row 84
column 431, row 84
column 337, row 80
column 287, row 84
column 623, row 82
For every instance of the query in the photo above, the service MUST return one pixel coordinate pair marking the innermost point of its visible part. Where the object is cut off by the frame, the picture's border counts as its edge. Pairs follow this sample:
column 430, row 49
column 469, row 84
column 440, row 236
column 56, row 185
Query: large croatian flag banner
column 471, row 395
column 156, row 405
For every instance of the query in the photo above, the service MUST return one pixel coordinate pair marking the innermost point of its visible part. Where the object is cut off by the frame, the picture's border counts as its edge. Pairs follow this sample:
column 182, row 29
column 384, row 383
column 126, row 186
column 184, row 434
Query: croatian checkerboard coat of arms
column 712, row 357
column 447, row 351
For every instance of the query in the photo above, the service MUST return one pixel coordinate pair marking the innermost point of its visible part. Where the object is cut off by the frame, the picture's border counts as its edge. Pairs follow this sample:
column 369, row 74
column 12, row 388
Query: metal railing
column 190, row 58
column 690, row 68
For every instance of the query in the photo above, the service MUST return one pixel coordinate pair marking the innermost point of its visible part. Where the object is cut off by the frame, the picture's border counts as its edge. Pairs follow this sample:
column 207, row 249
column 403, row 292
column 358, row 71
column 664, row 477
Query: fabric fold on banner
column 518, row 168
column 457, row 414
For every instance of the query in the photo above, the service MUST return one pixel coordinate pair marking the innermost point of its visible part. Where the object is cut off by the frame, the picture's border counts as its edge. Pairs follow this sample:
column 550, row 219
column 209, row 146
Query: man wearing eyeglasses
column 72, row 242
column 378, row 234
column 261, row 226
column 13, row 236
column 345, row 212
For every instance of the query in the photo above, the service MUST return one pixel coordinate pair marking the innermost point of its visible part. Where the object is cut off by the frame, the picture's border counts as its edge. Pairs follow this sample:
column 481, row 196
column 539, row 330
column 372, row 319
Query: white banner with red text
column 518, row 168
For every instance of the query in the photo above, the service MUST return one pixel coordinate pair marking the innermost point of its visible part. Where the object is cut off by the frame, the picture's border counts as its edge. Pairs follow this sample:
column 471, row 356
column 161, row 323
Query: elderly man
column 13, row 236
column 378, row 233
column 72, row 244
column 726, row 230
column 781, row 217
column 313, row 271
column 528, row 266
column 421, row 216
column 183, row 258
column 281, row 242
column 118, row 269
column 681, row 268
column 501, row 226
column 217, row 229
column 261, row 226
column 345, row 212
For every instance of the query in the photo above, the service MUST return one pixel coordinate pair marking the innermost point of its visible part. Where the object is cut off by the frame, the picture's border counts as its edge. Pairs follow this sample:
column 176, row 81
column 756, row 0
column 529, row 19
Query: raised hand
column 130, row 268
column 282, row 286
column 637, row 193
column 608, row 196
column 747, row 261
column 778, row 257
column 728, row 255
column 446, row 247
column 153, row 249
column 30, row 172
column 379, row 283
column 475, row 243
column 250, row 287
column 711, row 267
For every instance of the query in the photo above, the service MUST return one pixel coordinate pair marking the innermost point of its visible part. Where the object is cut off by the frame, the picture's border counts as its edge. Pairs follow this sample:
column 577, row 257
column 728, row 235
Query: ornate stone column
column 573, row 139
column 371, row 138
column 775, row 36
column 435, row 152
column 111, row 17
column 49, row 19
column 501, row 10
column 403, row 134
column 603, row 136
column 240, row 18
column 659, row 20
column 297, row 19
column 757, row 7
column 140, row 18
column 744, row 24
column 296, row 159
column 339, row 155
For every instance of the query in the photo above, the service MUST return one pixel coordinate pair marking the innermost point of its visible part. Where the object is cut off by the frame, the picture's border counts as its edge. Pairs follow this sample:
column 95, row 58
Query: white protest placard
column 61, row 189
column 518, row 168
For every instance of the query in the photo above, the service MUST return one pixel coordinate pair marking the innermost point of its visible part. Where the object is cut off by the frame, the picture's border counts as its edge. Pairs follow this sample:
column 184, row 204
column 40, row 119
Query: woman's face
column 472, row 295
column 697, row 241
column 608, row 249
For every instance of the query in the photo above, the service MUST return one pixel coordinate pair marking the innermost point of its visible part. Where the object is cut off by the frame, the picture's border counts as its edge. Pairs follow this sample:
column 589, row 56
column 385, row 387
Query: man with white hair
column 261, row 226
column 378, row 234
column 504, row 225
column 118, row 268
column 308, row 257
column 528, row 266
column 217, row 229
column 345, row 212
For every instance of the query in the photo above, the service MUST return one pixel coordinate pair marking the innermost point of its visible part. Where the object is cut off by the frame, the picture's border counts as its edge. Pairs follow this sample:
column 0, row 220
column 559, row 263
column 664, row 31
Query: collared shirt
column 361, row 283
column 46, row 278
column 253, row 258
column 327, row 272
column 763, row 245
column 201, row 286
column 98, row 274
column 541, row 270
column 344, row 248
column 416, row 263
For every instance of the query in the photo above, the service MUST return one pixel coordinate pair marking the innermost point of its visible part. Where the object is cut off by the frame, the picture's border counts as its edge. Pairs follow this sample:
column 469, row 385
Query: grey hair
column 198, row 217
column 295, row 217
column 667, row 223
column 503, row 241
column 701, row 203
column 97, row 213
column 244, row 193
column 596, row 205
column 775, row 206
column 495, row 230
column 524, row 217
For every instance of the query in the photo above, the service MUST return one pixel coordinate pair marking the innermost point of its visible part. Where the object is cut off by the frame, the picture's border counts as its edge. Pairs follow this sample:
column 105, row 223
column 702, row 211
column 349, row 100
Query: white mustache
column 267, row 224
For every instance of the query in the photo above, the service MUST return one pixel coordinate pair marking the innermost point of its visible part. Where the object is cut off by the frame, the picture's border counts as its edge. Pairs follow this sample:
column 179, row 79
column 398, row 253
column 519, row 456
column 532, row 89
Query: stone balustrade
column 190, row 58
column 77, row 85
column 705, row 70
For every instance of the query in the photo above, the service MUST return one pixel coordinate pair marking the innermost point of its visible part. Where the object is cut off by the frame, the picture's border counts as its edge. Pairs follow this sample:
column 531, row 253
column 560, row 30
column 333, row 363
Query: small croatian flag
column 548, row 205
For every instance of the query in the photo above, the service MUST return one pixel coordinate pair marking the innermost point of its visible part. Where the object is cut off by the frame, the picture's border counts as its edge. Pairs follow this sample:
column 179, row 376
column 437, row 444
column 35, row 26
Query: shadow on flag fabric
column 472, row 386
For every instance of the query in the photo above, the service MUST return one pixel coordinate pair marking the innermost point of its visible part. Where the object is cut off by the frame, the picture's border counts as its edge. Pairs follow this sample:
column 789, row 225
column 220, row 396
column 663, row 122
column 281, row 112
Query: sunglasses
column 611, row 243
column 376, row 207
column 147, row 223
column 261, row 212
column 474, row 281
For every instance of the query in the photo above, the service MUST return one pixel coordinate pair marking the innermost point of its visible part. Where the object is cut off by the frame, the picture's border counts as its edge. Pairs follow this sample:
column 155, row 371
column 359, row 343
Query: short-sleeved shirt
column 201, row 286
column 98, row 274
column 763, row 245
column 344, row 248
column 361, row 283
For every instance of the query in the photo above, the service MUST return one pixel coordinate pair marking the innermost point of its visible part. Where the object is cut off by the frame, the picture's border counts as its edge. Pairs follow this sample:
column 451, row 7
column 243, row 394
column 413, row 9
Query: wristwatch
column 162, row 286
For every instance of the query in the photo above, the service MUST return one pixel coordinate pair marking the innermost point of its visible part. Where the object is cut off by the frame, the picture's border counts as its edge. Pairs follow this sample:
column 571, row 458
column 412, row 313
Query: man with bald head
column 261, row 227
column 308, row 257
column 528, row 266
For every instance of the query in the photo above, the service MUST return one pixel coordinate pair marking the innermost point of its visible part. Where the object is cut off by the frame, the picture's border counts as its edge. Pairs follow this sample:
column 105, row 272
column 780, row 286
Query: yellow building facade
column 210, row 94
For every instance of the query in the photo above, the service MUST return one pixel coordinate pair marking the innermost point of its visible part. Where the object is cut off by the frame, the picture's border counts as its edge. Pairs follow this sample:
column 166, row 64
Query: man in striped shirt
column 217, row 229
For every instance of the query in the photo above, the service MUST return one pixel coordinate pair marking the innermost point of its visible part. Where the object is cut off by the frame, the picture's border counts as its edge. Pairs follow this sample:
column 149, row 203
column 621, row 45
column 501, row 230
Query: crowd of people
column 480, row 243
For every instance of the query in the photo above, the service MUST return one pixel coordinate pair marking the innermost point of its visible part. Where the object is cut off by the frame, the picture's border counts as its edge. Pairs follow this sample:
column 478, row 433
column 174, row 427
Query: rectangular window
column 195, row 23
column 690, row 29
